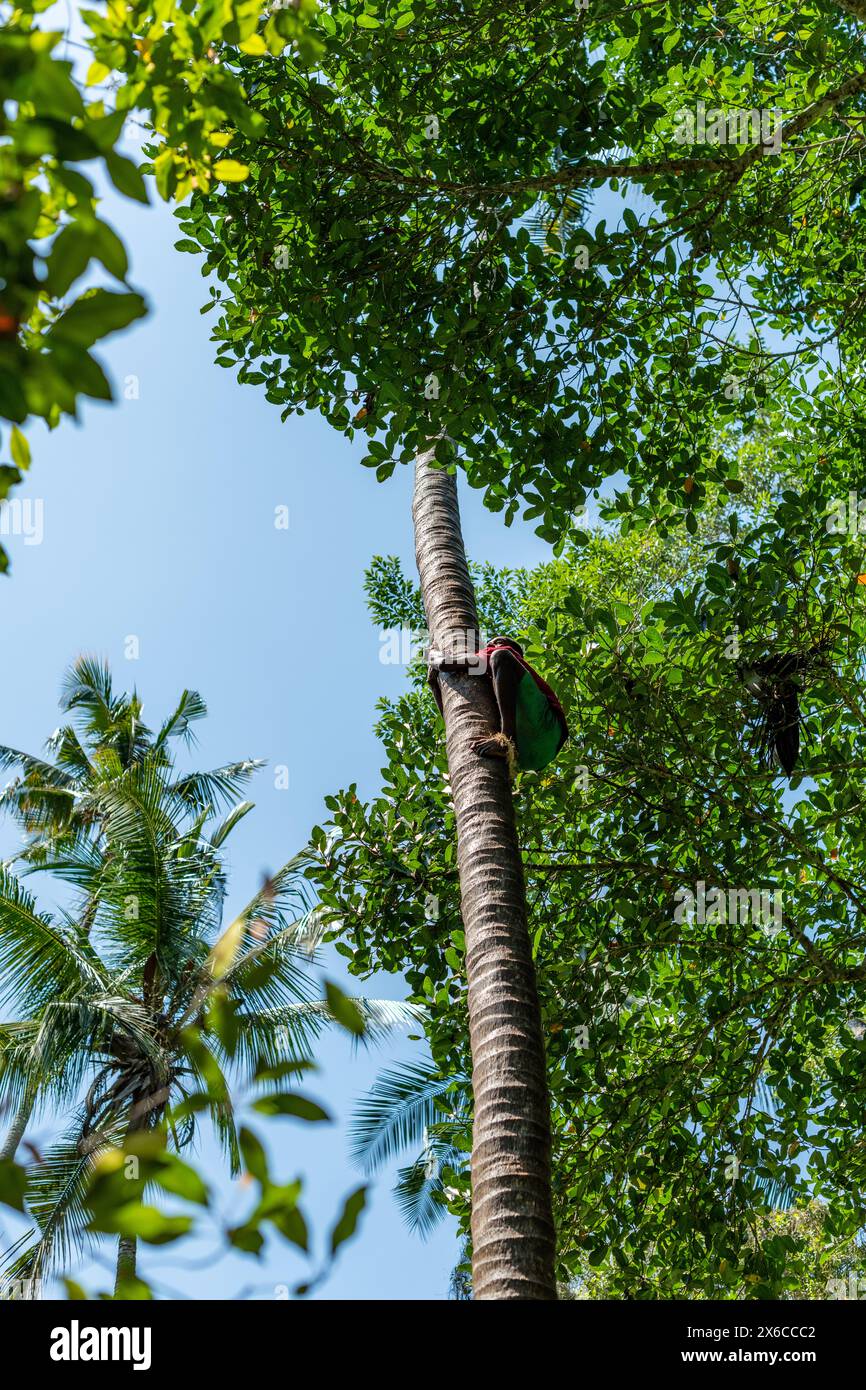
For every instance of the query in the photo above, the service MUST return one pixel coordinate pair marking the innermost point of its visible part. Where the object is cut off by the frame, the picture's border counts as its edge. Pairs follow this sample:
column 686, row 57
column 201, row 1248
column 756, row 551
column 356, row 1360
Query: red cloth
column 487, row 652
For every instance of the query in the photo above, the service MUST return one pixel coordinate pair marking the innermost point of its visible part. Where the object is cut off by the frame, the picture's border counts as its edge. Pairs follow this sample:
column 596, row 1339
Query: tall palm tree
column 513, row 1237
column 57, row 799
column 113, row 997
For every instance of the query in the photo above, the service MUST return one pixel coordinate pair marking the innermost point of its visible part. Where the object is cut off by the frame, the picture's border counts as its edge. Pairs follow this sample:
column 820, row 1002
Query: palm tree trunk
column 513, row 1241
column 17, row 1128
column 126, row 1247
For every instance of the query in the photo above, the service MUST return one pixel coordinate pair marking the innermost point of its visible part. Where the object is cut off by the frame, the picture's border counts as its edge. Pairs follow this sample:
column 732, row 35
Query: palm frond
column 40, row 794
column 397, row 1112
column 36, row 768
column 559, row 215
column 87, row 1025
column 87, row 684
column 218, row 788
column 190, row 708
column 289, row 1032
column 225, row 828
column 16, row 1042
column 262, row 956
column 38, row 961
column 55, row 1194
column 420, row 1196
column 70, row 754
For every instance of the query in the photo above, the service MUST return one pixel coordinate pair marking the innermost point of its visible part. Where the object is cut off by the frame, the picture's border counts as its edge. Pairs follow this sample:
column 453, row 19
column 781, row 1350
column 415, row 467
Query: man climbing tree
column 512, row 1221
column 532, row 726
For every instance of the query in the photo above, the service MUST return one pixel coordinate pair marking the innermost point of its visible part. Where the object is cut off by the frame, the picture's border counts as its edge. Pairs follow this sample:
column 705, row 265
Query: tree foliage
column 699, row 1065
column 50, row 235
column 609, row 251
column 380, row 263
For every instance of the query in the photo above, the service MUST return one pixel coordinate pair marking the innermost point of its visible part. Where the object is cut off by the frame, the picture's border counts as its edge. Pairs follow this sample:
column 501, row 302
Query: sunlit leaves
column 51, row 236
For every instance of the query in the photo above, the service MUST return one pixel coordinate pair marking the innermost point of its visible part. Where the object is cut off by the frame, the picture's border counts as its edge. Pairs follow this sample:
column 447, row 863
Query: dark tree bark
column 126, row 1251
column 513, row 1242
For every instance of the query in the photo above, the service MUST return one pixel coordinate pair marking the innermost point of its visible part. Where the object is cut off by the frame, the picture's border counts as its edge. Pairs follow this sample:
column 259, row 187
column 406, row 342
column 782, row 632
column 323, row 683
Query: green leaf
column 291, row 1105
column 231, row 170
column 13, row 1184
column 20, row 449
column 131, row 1288
column 344, row 1009
column 95, row 315
column 173, row 1175
column 126, row 177
column 69, row 258
column 348, row 1220
column 111, row 251
column 247, row 1238
column 255, row 1159
column 145, row 1222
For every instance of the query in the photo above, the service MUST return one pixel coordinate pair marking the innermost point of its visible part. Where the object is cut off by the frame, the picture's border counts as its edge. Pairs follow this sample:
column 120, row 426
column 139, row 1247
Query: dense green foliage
column 487, row 223
column 535, row 229
column 701, row 1071
column 50, row 233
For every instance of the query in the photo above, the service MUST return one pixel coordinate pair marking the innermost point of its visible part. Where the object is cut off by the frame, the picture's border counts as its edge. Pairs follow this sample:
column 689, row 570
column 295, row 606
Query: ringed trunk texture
column 16, row 1129
column 513, row 1241
column 126, row 1247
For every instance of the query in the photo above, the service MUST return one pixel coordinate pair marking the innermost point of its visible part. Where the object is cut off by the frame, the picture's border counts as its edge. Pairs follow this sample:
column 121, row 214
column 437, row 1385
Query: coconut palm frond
column 86, row 686
column 776, row 1193
column 55, row 1194
column 92, row 1024
column 397, row 1112
column 559, row 217
column 220, row 787
column 70, row 754
column 39, row 808
column 38, row 960
column 224, row 829
column 16, row 1042
column 289, row 1032
column 420, row 1198
column 383, row 1016
column 190, row 708
column 37, row 769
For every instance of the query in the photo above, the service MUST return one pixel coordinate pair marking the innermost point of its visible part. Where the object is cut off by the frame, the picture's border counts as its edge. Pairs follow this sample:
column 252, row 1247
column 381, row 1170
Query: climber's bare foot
column 494, row 747
column 498, row 746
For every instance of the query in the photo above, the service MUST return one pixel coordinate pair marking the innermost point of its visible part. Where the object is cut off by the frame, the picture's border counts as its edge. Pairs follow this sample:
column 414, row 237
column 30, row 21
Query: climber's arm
column 456, row 665
column 506, row 673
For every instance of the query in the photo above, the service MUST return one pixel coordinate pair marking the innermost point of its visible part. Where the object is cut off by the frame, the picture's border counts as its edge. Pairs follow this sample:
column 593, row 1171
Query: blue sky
column 159, row 524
